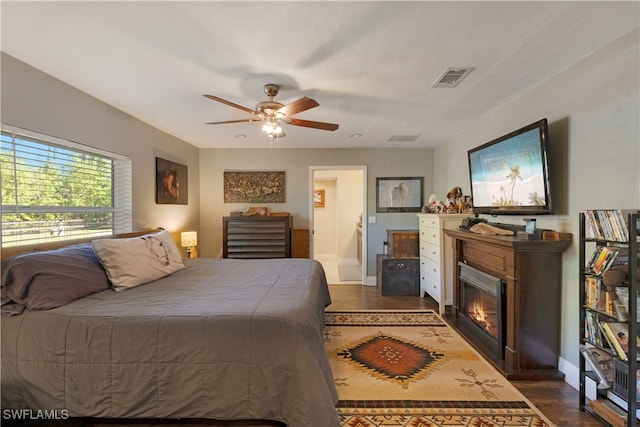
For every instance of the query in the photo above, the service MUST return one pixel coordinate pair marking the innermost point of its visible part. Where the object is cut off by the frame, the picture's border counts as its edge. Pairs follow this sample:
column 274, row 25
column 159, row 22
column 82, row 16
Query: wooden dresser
column 436, row 256
column 256, row 237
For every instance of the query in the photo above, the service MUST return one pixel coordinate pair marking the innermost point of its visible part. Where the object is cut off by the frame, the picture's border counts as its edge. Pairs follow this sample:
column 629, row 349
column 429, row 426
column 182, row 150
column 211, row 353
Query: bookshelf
column 608, row 256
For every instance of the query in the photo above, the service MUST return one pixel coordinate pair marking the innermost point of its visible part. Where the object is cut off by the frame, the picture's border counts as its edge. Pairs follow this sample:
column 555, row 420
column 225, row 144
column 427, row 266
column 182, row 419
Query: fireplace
column 528, row 296
column 481, row 313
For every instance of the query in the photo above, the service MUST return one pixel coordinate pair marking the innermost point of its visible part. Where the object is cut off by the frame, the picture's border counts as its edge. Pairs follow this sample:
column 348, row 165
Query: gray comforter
column 221, row 339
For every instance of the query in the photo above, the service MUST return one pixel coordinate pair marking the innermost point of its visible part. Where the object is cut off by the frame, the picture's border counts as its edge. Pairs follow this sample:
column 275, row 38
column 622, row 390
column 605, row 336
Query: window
column 54, row 189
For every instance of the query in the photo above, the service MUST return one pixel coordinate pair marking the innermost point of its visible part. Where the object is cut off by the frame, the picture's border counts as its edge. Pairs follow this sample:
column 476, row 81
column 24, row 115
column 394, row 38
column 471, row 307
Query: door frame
column 363, row 169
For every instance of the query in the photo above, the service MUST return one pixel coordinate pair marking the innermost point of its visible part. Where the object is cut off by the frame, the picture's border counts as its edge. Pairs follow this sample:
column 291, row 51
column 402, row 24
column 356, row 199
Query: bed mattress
column 222, row 339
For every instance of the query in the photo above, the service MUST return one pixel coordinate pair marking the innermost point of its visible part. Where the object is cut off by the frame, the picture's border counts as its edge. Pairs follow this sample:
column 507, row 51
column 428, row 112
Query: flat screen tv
column 510, row 175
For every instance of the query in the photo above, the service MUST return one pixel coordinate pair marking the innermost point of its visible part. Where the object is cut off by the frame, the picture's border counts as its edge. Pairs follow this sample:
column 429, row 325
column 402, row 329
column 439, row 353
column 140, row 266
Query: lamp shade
column 188, row 239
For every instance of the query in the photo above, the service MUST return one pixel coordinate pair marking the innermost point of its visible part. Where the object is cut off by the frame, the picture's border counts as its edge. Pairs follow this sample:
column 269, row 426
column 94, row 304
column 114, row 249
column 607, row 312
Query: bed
column 216, row 339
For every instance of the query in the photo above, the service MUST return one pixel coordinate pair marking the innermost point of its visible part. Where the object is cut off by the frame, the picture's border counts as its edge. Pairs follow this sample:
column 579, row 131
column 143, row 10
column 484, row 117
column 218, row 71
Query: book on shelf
column 601, row 260
column 594, row 332
column 618, row 336
column 621, row 304
column 606, row 224
column 601, row 363
column 610, row 412
column 597, row 296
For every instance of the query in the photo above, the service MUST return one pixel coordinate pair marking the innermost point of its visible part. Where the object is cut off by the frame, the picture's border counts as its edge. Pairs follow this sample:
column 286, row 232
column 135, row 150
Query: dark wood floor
column 556, row 399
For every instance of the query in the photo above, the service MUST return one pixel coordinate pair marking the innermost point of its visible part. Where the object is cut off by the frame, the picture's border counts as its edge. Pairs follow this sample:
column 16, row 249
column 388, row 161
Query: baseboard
column 571, row 373
column 371, row 281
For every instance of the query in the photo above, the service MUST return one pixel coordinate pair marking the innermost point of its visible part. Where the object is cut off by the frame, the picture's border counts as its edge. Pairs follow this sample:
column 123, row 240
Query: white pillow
column 138, row 260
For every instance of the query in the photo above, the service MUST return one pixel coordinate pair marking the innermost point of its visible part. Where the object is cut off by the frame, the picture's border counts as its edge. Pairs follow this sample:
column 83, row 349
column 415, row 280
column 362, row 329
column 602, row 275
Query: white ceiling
column 370, row 65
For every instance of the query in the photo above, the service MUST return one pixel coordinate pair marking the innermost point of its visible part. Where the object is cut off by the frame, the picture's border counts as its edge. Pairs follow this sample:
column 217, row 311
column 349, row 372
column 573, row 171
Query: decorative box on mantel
column 403, row 243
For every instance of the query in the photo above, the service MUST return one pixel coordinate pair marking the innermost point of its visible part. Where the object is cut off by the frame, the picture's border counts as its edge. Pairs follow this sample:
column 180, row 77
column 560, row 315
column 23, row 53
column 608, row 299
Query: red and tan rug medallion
column 410, row 369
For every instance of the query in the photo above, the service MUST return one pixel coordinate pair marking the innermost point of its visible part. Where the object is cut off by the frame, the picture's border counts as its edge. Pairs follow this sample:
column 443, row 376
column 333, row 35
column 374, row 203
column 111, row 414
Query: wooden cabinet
column 256, row 237
column 532, row 274
column 299, row 243
column 436, row 256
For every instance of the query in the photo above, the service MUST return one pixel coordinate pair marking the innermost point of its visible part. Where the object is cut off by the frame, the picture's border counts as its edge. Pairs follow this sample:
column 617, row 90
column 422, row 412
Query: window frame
column 121, row 188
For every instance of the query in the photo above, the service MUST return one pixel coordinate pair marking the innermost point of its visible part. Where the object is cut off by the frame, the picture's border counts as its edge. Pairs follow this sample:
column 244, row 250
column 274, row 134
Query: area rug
column 349, row 273
column 410, row 369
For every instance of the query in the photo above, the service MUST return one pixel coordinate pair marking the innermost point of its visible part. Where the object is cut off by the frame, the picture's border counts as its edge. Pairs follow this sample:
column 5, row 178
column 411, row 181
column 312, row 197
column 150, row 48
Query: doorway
column 337, row 207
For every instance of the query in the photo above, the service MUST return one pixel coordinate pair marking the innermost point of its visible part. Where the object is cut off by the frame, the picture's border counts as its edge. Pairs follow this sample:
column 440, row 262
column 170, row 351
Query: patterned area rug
column 410, row 369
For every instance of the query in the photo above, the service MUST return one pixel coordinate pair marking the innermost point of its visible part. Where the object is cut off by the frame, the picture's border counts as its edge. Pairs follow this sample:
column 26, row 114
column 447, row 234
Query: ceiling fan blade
column 298, row 106
column 233, row 121
column 312, row 124
column 229, row 103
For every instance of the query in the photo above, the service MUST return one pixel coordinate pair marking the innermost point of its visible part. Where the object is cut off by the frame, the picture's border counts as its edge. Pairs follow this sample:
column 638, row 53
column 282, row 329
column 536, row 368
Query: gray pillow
column 49, row 279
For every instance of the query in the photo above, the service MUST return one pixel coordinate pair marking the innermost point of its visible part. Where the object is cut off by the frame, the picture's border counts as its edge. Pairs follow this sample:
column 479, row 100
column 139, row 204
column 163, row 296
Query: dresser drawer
column 431, row 285
column 430, row 235
column 430, row 267
column 430, row 251
column 429, row 222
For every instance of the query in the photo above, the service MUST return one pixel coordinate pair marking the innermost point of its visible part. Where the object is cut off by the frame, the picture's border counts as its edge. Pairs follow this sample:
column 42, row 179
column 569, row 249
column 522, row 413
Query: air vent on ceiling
column 403, row 138
column 452, row 77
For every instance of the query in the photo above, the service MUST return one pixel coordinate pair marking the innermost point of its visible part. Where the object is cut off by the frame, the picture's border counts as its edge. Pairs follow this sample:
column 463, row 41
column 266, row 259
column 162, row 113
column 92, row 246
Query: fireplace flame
column 486, row 320
column 477, row 312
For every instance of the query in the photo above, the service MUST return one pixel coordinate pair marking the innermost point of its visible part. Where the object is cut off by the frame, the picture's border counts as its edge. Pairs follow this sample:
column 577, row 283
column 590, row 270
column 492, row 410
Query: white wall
column 593, row 112
column 35, row 101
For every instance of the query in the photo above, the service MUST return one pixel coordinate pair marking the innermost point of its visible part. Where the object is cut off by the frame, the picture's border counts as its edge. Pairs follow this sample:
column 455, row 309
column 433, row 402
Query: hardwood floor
column 556, row 399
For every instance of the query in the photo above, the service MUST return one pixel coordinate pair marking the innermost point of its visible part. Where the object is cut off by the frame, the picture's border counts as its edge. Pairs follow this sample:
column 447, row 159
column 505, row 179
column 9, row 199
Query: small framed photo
column 171, row 183
column 318, row 198
column 399, row 194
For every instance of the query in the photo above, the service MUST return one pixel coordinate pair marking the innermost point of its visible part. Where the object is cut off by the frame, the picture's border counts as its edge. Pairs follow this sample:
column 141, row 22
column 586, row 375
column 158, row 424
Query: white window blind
column 54, row 189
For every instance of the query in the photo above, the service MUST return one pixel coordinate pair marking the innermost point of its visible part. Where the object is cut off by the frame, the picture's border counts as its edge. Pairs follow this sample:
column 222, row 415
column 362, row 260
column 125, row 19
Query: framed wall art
column 399, row 194
column 254, row 187
column 318, row 198
column 172, row 186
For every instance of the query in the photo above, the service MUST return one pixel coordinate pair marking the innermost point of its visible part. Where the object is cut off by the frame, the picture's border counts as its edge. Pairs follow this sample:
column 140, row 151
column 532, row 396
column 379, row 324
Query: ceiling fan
column 274, row 113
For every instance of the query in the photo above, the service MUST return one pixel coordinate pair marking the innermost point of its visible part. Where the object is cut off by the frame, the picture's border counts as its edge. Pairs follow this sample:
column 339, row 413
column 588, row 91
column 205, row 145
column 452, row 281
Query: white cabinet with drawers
column 436, row 256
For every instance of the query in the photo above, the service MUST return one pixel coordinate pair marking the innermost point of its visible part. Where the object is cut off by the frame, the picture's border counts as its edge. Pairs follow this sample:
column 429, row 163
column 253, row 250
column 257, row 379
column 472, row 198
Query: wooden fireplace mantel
column 532, row 273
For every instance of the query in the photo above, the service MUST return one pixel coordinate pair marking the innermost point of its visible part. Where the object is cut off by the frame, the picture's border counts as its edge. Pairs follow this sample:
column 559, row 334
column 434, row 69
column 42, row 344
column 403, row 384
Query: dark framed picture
column 171, row 183
column 318, row 198
column 399, row 194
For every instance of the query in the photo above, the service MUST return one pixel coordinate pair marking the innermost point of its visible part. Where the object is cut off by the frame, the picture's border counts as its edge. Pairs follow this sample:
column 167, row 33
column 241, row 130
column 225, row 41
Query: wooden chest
column 397, row 276
column 403, row 243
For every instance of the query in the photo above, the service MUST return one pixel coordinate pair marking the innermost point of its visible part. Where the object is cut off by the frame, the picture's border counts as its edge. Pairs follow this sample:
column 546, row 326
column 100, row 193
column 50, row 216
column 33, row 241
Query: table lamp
column 189, row 240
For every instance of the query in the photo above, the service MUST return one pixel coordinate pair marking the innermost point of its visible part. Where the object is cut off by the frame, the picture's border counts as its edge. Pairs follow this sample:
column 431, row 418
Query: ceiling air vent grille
column 452, row 77
column 403, row 138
